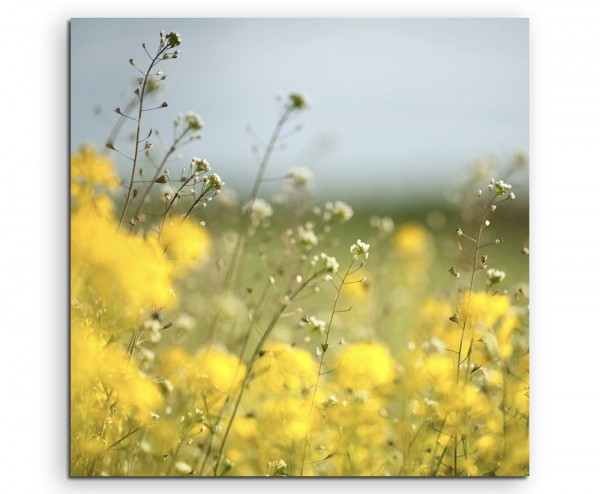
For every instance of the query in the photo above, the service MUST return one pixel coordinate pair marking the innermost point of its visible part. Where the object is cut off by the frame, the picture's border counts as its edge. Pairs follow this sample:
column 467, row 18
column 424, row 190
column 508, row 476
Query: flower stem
column 154, row 61
column 324, row 346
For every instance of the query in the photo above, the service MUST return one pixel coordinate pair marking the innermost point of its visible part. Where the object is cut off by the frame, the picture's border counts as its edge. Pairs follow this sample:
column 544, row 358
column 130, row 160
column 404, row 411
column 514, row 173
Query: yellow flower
column 358, row 287
column 365, row 366
column 517, row 396
column 92, row 176
column 185, row 242
column 470, row 468
column 215, row 374
column 86, row 348
column 90, row 169
column 285, row 367
column 175, row 364
column 440, row 368
column 287, row 418
column 245, row 427
column 104, row 371
column 487, row 309
column 136, row 393
column 489, row 447
column 412, row 239
column 516, row 462
column 164, row 435
column 126, row 269
column 504, row 335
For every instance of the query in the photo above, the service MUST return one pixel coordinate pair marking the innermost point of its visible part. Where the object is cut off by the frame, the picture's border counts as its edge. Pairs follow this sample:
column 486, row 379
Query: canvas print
column 299, row 248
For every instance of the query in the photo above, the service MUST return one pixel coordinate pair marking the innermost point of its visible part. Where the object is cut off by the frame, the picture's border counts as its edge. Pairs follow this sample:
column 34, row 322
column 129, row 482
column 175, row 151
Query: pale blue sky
column 397, row 104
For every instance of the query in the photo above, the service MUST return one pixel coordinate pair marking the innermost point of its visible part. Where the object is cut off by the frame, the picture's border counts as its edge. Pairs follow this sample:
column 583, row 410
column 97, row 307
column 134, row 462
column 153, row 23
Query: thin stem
column 177, row 195
column 324, row 348
column 117, row 127
column 252, row 361
column 475, row 267
column 207, row 455
column 474, row 270
column 253, row 326
column 196, row 202
column 137, row 133
column 241, row 240
column 159, row 169
column 259, row 179
column 173, row 461
column 240, row 356
column 118, row 441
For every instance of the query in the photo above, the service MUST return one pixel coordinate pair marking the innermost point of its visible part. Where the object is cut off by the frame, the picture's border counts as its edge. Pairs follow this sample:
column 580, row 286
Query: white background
column 565, row 124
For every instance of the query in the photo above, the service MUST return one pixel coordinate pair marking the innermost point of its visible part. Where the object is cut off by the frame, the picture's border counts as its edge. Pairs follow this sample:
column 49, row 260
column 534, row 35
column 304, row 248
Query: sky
column 398, row 106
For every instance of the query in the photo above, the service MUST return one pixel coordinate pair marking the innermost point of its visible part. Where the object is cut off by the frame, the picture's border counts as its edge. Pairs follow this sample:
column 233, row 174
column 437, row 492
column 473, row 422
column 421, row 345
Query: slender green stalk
column 119, row 125
column 154, row 61
column 244, row 229
column 324, row 348
column 477, row 265
column 252, row 324
column 207, row 454
column 175, row 454
column 254, row 194
column 252, row 361
column 474, row 270
column 459, row 357
column 240, row 356
column 159, row 170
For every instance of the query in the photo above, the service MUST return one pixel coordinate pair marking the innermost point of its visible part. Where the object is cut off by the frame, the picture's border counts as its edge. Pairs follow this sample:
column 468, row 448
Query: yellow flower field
column 288, row 338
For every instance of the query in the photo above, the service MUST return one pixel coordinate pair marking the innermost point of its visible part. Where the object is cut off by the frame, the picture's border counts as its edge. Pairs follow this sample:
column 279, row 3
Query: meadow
column 215, row 334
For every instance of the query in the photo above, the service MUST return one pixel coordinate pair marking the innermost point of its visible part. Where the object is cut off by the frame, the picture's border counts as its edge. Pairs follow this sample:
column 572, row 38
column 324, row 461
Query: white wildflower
column 193, row 121
column 215, row 182
column 277, row 468
column 339, row 211
column 384, row 225
column 331, row 401
column 360, row 248
column 495, row 275
column 174, row 39
column 260, row 210
column 298, row 101
column 300, row 176
column 201, row 165
column 183, row 468
column 330, row 263
column 316, row 324
column 501, row 187
column 307, row 237
column 153, row 325
column 185, row 321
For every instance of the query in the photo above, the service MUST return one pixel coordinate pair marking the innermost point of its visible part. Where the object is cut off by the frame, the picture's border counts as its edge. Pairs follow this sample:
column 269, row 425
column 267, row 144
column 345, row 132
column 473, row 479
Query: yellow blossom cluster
column 119, row 282
column 466, row 384
column 453, row 400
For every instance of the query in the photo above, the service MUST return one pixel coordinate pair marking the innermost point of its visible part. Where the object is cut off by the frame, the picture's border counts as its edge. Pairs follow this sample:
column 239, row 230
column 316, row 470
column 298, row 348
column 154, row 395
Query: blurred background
column 400, row 108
